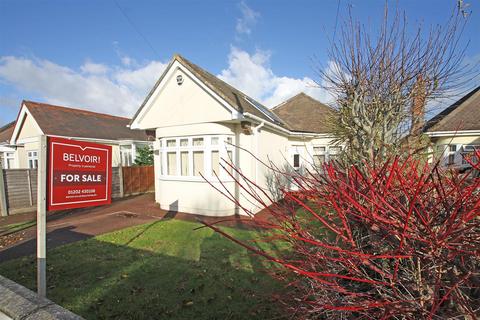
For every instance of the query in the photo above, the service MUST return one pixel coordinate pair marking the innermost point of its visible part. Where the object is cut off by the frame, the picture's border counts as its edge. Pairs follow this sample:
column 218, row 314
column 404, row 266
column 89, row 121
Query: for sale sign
column 79, row 174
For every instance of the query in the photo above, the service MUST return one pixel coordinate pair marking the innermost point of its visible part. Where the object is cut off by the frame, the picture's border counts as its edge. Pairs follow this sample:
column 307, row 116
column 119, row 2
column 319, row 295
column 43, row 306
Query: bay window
column 190, row 158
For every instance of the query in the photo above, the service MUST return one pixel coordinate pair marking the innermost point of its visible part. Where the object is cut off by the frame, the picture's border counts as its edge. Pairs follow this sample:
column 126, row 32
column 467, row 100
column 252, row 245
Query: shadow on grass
column 211, row 278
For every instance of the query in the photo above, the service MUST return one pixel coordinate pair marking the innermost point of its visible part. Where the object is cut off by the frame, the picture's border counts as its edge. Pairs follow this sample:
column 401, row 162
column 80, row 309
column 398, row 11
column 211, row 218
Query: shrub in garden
column 396, row 240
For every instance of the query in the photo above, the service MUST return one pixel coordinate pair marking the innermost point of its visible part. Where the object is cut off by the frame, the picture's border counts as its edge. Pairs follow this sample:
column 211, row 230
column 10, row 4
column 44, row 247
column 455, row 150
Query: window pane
column 198, row 141
column 335, row 149
column 453, row 147
column 160, row 165
column 184, row 163
column 183, row 142
column 126, row 147
column 171, row 143
column 319, row 150
column 214, row 141
column 296, row 160
column 172, row 163
column 215, row 163
column 197, row 163
column 319, row 160
column 451, row 159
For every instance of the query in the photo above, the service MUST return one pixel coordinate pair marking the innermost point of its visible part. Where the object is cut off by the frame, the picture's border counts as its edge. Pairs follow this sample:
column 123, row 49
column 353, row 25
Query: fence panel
column 116, row 183
column 138, row 179
column 20, row 189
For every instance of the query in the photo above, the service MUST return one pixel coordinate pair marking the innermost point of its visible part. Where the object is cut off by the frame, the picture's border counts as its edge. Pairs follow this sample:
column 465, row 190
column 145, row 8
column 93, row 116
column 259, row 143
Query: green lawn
column 161, row 270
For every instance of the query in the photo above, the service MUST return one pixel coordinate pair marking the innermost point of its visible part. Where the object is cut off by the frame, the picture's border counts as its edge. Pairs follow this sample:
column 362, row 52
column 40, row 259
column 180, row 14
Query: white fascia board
column 168, row 76
column 459, row 133
column 24, row 112
column 6, row 149
column 286, row 131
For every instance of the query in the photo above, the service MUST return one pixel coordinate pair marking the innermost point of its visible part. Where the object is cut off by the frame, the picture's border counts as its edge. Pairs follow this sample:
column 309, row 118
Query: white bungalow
column 199, row 119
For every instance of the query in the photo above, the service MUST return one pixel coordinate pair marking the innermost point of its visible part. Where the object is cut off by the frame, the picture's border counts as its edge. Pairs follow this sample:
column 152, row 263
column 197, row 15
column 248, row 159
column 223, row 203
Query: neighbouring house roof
column 70, row 122
column 461, row 116
column 304, row 114
column 6, row 132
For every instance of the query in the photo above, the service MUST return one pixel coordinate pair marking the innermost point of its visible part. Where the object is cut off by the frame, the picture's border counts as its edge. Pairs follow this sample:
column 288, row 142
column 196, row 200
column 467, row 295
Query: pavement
column 79, row 224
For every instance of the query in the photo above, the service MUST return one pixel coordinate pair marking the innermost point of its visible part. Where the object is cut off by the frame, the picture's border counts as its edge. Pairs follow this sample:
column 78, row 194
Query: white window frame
column 222, row 147
column 449, row 153
column 124, row 151
column 469, row 149
column 9, row 155
column 327, row 152
column 33, row 158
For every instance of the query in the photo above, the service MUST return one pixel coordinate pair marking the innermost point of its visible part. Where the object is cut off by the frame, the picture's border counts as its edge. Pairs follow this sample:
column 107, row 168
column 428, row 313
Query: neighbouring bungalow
column 36, row 119
column 455, row 132
column 7, row 152
column 200, row 120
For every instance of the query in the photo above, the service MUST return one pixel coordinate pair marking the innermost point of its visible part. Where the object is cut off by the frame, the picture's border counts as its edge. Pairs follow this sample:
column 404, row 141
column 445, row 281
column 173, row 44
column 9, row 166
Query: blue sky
column 105, row 55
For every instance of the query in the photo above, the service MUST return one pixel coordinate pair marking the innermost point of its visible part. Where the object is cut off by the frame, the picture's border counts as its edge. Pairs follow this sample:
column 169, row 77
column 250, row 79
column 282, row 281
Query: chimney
column 417, row 109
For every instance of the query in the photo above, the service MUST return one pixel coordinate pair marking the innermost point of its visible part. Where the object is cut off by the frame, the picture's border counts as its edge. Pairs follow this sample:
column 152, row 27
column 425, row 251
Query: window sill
column 213, row 180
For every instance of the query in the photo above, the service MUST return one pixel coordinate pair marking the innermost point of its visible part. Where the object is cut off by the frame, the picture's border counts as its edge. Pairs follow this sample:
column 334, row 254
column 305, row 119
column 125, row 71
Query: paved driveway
column 79, row 224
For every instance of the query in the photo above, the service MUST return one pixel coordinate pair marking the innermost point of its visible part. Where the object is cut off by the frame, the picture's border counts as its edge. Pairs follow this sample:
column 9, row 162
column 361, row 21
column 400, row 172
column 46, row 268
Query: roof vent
column 179, row 79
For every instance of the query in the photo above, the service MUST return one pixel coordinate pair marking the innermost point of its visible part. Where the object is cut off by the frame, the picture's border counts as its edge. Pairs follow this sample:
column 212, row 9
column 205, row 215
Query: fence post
column 120, row 178
column 29, row 181
column 3, row 196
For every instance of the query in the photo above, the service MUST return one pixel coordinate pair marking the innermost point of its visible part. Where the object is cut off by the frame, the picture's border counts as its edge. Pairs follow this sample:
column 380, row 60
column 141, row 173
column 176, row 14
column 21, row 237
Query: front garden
column 164, row 269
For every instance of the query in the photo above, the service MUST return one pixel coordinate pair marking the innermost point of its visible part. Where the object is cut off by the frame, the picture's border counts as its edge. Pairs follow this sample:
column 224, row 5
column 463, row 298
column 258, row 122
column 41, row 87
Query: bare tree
column 383, row 81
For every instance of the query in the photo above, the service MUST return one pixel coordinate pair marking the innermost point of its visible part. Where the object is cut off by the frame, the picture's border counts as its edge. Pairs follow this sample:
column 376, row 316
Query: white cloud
column 93, row 68
column 252, row 74
column 111, row 89
column 248, row 19
column 120, row 89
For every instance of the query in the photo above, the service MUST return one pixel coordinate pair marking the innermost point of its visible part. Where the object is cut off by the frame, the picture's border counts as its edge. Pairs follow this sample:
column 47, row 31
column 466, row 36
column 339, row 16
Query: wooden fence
column 138, row 179
column 20, row 186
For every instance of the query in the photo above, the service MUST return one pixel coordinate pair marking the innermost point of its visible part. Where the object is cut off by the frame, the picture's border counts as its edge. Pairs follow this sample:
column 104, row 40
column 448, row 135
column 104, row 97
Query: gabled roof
column 302, row 113
column 460, row 116
column 6, row 132
column 234, row 97
column 70, row 122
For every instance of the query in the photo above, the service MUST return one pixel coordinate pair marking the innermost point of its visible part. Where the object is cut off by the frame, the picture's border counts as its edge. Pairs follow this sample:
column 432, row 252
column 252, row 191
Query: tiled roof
column 70, row 122
column 6, row 132
column 237, row 99
column 462, row 115
column 304, row 114
column 234, row 97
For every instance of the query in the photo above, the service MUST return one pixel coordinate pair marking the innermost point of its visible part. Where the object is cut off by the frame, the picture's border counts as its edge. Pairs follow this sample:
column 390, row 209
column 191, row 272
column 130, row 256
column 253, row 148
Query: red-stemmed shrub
column 396, row 240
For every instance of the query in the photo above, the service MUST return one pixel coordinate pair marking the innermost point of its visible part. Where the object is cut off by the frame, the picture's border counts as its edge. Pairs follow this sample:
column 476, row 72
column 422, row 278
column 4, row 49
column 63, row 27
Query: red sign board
column 79, row 174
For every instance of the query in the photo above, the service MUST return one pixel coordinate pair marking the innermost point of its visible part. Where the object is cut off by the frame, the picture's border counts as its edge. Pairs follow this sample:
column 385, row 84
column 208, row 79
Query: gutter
column 459, row 133
column 286, row 131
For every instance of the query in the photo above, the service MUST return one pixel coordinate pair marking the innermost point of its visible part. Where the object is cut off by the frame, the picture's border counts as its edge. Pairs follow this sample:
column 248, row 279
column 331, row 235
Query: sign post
column 71, row 174
column 42, row 217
